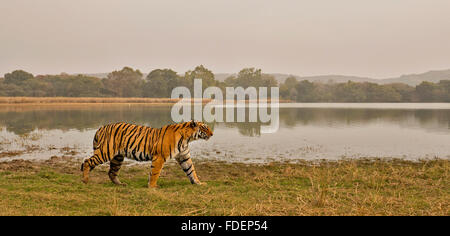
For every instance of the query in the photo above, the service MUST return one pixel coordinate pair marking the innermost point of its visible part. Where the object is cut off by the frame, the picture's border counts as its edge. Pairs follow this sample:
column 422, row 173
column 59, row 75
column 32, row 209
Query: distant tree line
column 160, row 82
column 305, row 91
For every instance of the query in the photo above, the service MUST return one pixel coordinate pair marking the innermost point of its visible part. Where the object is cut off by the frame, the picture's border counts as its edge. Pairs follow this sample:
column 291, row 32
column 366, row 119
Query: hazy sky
column 374, row 38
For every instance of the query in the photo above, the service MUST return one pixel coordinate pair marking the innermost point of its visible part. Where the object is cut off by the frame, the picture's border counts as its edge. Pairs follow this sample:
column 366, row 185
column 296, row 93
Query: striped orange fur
column 114, row 142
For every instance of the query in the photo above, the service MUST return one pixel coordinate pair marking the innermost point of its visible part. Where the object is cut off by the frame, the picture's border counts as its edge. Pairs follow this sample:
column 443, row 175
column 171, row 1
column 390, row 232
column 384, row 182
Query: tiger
column 117, row 141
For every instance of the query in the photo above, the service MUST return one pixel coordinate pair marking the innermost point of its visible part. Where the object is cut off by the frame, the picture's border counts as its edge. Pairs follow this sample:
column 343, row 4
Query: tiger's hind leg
column 90, row 164
column 114, row 168
column 86, row 168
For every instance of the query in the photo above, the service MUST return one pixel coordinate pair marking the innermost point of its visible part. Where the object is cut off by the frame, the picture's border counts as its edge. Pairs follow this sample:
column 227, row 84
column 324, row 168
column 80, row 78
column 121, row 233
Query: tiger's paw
column 153, row 186
column 116, row 180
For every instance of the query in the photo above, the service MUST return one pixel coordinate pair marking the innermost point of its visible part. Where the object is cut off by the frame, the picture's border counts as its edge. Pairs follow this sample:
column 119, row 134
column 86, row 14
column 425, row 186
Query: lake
column 308, row 131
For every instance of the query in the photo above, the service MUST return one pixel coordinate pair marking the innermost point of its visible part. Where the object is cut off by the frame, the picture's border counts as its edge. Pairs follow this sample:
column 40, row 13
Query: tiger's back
column 128, row 140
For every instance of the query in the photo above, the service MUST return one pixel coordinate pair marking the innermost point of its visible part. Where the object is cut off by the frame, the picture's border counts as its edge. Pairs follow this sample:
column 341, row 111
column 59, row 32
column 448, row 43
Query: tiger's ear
column 193, row 124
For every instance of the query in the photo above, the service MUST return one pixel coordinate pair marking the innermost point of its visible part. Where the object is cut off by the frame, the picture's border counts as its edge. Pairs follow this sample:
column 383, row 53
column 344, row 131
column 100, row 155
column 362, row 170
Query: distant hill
column 98, row 75
column 411, row 79
column 222, row 76
column 338, row 79
column 414, row 79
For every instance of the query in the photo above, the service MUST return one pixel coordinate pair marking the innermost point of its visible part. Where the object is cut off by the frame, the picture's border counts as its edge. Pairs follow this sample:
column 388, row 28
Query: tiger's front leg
column 184, row 159
column 157, row 165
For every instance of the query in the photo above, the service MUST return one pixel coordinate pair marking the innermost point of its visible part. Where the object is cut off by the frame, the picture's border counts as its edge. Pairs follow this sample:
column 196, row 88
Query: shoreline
column 70, row 154
column 100, row 100
column 69, row 157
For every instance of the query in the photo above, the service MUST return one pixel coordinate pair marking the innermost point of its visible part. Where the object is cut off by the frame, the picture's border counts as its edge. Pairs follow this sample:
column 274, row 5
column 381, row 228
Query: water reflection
column 305, row 133
column 22, row 120
column 25, row 119
column 430, row 120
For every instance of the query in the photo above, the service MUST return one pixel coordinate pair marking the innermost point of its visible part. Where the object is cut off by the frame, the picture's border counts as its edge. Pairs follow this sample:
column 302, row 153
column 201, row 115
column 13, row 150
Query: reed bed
column 69, row 100
column 19, row 100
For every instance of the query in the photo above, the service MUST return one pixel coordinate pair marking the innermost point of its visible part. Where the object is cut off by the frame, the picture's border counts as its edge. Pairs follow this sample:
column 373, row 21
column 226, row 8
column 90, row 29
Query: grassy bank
column 330, row 188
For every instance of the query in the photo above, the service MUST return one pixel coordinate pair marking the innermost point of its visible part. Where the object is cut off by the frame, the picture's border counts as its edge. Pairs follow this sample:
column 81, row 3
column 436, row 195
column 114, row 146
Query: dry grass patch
column 348, row 187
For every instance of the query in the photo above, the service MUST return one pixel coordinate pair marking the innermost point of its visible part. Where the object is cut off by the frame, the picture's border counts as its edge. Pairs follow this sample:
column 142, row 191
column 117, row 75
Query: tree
column 36, row 88
column 349, row 92
column 160, row 82
column 268, row 81
column 83, row 86
column 305, row 91
column 251, row 77
column 12, row 90
column 17, row 77
column 200, row 72
column 324, row 92
column 406, row 92
column 248, row 77
column 426, row 91
column 287, row 89
column 445, row 87
column 380, row 93
column 125, row 83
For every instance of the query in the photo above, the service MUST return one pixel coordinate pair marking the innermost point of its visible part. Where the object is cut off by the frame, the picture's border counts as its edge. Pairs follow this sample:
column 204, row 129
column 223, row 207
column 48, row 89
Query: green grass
column 346, row 187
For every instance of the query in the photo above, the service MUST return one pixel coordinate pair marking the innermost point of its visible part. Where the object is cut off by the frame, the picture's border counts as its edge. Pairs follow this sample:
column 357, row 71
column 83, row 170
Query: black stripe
column 134, row 154
column 136, row 136
column 183, row 161
column 150, row 143
column 107, row 147
column 154, row 137
column 145, row 142
column 101, row 132
column 140, row 141
column 162, row 142
column 118, row 128
column 170, row 150
column 180, row 142
column 124, row 131
column 98, row 160
column 187, row 169
column 129, row 139
column 115, row 134
column 190, row 173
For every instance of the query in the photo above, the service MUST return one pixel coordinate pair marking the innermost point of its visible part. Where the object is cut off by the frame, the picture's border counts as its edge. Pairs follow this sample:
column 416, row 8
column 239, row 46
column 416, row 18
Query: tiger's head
column 201, row 130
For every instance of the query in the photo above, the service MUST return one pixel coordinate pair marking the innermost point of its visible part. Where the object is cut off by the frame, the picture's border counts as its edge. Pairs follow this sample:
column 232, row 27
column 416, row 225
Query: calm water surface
column 307, row 132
